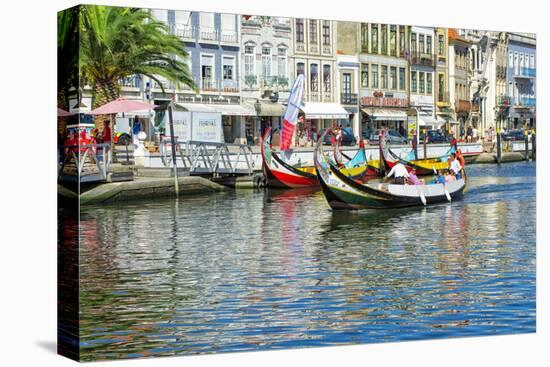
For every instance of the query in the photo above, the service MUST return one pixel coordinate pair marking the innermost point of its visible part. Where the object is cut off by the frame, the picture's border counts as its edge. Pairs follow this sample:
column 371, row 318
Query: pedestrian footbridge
column 209, row 159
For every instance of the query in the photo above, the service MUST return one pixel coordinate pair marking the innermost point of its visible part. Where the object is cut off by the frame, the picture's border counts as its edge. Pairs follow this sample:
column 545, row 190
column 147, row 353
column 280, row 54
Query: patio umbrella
column 63, row 113
column 120, row 105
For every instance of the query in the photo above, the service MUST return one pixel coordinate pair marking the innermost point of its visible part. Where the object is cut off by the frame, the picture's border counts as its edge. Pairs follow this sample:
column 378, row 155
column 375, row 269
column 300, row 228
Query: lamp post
column 258, row 109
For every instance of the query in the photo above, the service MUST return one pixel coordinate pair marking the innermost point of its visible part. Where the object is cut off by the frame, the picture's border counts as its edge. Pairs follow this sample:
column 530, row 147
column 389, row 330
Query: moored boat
column 343, row 192
column 281, row 174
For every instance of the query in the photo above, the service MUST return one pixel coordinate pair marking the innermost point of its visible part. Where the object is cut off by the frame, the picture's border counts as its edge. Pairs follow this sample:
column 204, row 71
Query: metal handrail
column 82, row 154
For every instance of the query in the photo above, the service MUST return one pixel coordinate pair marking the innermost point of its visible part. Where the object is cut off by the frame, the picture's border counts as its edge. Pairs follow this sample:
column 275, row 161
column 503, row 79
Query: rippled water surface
column 257, row 270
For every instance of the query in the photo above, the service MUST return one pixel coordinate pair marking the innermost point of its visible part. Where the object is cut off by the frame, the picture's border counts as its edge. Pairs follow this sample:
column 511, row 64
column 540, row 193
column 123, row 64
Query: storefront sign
column 384, row 102
column 207, row 126
column 182, row 125
column 411, row 126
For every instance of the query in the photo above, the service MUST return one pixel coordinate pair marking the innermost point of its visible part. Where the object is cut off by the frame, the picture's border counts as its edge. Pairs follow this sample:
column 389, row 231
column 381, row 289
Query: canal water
column 260, row 270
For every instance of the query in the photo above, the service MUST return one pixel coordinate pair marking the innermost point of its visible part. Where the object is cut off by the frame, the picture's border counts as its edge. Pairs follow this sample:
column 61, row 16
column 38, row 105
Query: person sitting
column 455, row 166
column 440, row 178
column 399, row 171
column 449, row 178
column 413, row 178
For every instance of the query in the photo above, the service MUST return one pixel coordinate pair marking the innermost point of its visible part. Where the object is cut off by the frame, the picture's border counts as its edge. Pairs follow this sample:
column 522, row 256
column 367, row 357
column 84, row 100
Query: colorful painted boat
column 283, row 175
column 423, row 167
column 343, row 192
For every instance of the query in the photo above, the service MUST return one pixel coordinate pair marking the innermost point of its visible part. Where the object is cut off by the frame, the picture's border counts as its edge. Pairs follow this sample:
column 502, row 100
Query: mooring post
column 425, row 144
column 499, row 148
column 533, row 145
column 173, row 142
column 526, row 145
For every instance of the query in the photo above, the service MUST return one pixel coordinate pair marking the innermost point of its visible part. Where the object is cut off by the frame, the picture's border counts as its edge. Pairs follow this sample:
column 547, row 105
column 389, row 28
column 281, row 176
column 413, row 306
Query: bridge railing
column 86, row 163
column 202, row 157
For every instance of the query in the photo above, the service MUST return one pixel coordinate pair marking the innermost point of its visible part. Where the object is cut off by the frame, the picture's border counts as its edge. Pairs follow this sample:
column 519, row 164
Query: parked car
column 347, row 137
column 434, row 136
column 393, row 137
column 513, row 135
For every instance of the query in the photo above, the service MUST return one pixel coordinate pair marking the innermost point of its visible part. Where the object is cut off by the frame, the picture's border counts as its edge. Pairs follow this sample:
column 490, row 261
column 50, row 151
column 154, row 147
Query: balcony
column 525, row 102
column 462, row 105
column 209, row 85
column 183, row 31
column 349, row 99
column 133, row 81
column 228, row 37
column 327, row 96
column 525, row 73
column 501, row 72
column 208, row 35
column 503, row 101
column 166, row 84
column 421, row 58
column 442, row 100
column 314, row 97
column 475, row 107
column 230, row 86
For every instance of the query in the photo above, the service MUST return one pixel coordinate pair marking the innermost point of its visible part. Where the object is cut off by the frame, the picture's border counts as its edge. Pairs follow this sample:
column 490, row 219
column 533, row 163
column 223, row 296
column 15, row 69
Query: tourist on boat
column 460, row 158
column 399, row 171
column 455, row 166
column 449, row 177
column 413, row 178
column 440, row 178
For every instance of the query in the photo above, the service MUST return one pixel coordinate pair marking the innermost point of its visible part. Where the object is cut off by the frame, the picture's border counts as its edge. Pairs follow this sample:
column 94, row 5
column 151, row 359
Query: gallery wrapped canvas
column 237, row 182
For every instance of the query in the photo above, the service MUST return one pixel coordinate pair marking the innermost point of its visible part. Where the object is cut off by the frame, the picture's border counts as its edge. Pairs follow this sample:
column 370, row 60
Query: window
column 413, row 82
column 364, row 37
column 441, row 88
column 384, row 39
column 421, row 85
column 206, row 21
column 207, row 72
column 281, row 62
column 326, row 78
column 428, row 44
column 228, row 68
column 413, row 43
column 314, row 77
column 266, row 62
column 421, row 44
column 429, row 83
column 300, row 68
column 532, row 65
column 229, row 30
column 401, row 40
column 384, row 77
column 393, row 40
column 393, row 77
column 374, row 76
column 346, row 84
column 313, row 31
column 365, row 75
column 374, row 38
column 299, row 30
column 441, row 45
column 402, row 80
column 249, row 60
column 516, row 62
column 326, row 32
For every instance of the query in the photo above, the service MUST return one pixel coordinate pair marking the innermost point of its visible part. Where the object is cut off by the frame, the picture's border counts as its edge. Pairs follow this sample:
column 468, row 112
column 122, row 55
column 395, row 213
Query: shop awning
column 232, row 109
column 429, row 120
column 385, row 114
column 196, row 107
column 321, row 110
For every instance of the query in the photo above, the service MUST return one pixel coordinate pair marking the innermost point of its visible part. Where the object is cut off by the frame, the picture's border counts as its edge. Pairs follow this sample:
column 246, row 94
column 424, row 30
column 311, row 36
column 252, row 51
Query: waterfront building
column 314, row 56
column 443, row 105
column 212, row 41
column 347, row 77
column 459, row 89
column 266, row 51
column 422, row 77
column 384, row 75
column 521, row 80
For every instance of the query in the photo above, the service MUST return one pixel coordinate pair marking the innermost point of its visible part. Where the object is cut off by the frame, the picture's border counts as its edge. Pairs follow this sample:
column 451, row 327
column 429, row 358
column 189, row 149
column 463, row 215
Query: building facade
column 443, row 106
column 459, row 88
column 422, row 77
column 266, row 46
column 521, row 80
column 384, row 75
column 314, row 56
column 347, row 77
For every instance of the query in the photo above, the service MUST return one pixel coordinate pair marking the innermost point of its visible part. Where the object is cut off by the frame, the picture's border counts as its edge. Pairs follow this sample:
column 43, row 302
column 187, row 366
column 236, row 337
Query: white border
column 28, row 204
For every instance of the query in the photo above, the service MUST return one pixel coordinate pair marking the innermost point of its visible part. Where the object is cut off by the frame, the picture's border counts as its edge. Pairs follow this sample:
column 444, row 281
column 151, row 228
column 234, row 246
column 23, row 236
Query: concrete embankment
column 492, row 158
column 142, row 188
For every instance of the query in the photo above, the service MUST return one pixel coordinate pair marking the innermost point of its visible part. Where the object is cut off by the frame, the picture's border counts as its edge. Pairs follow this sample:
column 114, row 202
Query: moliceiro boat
column 343, row 192
column 423, row 167
column 279, row 173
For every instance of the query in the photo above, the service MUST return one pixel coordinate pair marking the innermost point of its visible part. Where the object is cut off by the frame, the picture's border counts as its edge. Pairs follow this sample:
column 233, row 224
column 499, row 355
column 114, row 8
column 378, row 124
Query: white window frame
column 233, row 64
column 282, row 62
column 213, row 57
column 267, row 58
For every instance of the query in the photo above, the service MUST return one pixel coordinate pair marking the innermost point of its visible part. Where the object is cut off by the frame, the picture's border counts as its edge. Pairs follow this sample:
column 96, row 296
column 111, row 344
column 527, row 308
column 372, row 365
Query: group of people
column 402, row 176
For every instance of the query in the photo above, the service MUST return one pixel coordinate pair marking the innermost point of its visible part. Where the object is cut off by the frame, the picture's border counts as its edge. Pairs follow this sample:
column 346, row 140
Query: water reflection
column 226, row 272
